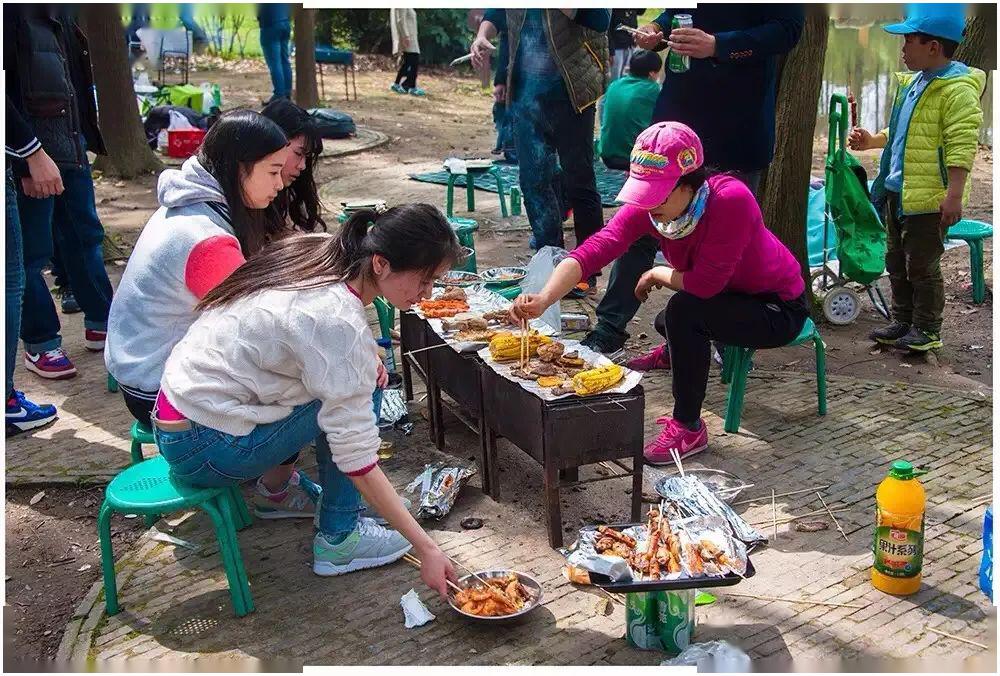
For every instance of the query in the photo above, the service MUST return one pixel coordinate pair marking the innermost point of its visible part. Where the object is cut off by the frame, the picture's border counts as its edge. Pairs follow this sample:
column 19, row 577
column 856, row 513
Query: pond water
column 861, row 57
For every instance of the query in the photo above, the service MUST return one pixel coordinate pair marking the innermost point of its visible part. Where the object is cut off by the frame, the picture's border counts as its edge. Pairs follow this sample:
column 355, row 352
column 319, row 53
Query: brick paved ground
column 177, row 605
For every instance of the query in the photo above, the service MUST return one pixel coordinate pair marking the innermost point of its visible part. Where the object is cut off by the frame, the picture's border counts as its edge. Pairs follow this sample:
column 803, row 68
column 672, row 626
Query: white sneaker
column 369, row 546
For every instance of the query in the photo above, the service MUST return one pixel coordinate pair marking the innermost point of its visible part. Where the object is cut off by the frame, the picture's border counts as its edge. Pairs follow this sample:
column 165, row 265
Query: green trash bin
column 464, row 230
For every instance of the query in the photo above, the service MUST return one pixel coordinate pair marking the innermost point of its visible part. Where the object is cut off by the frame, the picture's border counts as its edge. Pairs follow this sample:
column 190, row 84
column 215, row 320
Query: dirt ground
column 47, row 543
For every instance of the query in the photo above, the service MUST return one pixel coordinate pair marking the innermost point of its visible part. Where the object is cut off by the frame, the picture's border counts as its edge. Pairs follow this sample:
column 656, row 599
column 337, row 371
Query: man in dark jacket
column 556, row 71
column 51, row 98
column 727, row 96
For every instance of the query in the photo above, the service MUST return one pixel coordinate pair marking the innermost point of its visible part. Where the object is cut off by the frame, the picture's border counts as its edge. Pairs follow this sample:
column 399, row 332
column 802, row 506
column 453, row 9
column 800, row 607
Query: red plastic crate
column 184, row 142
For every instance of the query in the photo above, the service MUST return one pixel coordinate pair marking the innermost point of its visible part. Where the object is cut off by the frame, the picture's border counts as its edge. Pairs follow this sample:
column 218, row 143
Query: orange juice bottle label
column 899, row 544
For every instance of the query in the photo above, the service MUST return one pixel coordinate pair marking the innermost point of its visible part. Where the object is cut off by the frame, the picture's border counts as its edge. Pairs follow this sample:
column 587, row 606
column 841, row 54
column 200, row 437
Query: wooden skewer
column 827, row 507
column 958, row 638
column 415, row 562
column 423, row 349
column 779, row 495
column 803, row 516
column 774, row 515
column 787, row 600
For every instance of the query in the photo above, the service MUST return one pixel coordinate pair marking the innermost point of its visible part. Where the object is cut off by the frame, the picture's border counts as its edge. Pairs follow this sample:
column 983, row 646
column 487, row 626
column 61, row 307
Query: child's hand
column 951, row 212
column 860, row 139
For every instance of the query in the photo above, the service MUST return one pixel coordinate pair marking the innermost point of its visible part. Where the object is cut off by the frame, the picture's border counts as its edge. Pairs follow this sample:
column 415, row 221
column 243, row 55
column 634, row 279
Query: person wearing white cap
column 733, row 280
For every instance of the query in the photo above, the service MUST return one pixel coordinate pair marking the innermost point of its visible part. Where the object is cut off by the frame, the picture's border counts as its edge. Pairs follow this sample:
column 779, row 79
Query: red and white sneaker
column 54, row 364
column 94, row 340
column 675, row 435
column 657, row 358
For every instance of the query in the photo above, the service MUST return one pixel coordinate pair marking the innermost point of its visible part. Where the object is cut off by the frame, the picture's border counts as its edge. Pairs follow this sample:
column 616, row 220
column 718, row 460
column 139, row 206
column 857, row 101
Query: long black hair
column 235, row 142
column 409, row 237
column 299, row 201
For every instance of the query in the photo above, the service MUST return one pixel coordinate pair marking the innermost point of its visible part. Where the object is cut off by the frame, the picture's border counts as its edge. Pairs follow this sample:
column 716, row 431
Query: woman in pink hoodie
column 733, row 280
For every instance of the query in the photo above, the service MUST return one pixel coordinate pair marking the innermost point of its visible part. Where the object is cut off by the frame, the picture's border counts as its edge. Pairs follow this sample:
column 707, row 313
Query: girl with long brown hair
column 282, row 355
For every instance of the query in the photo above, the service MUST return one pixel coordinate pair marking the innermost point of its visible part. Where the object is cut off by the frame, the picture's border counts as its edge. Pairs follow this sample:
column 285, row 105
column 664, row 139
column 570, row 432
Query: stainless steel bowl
column 530, row 585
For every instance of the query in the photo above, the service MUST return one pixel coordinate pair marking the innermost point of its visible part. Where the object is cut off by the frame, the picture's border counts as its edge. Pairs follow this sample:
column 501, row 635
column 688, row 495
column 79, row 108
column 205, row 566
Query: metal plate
column 605, row 582
column 458, row 278
column 530, row 584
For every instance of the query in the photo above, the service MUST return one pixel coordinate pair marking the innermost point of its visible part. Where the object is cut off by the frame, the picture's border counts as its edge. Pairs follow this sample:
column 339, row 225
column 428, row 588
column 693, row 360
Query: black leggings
column 141, row 403
column 690, row 323
column 408, row 70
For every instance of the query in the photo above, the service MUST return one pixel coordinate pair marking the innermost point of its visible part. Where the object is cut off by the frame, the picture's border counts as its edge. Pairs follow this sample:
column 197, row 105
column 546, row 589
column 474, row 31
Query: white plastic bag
column 539, row 270
column 712, row 657
column 415, row 613
column 179, row 122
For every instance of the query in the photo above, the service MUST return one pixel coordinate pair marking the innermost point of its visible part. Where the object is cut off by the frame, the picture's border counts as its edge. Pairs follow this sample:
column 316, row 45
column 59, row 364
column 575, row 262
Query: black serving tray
column 625, row 586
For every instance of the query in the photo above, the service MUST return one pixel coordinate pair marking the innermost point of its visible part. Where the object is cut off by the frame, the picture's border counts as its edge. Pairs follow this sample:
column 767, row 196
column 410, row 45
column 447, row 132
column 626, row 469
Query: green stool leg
column 136, row 451
column 107, row 560
column 730, row 355
column 976, row 264
column 112, row 383
column 226, row 552
column 820, row 373
column 450, row 203
column 241, row 515
column 503, row 205
column 229, row 517
column 386, row 316
column 470, row 191
column 734, row 407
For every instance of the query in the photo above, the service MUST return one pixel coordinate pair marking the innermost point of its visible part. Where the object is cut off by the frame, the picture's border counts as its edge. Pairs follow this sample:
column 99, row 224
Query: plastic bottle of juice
column 899, row 531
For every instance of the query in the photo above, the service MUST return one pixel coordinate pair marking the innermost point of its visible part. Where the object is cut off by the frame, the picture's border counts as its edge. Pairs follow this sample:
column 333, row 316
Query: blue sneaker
column 398, row 88
column 416, row 91
column 24, row 415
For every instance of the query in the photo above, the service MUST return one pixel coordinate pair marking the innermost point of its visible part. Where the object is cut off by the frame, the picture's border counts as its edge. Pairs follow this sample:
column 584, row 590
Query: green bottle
column 678, row 63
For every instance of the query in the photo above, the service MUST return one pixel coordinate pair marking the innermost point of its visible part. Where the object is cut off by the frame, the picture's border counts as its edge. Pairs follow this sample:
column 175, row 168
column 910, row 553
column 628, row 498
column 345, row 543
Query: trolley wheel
column 817, row 282
column 841, row 305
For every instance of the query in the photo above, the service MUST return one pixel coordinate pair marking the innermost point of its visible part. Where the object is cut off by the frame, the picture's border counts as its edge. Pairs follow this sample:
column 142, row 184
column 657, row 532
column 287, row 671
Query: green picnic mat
column 609, row 181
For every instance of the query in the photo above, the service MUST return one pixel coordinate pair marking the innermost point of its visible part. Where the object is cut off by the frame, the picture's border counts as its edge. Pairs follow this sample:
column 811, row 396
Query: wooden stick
column 762, row 597
column 803, row 516
column 415, row 562
column 774, row 515
column 423, row 349
column 958, row 638
column 818, row 495
column 780, row 495
column 981, row 500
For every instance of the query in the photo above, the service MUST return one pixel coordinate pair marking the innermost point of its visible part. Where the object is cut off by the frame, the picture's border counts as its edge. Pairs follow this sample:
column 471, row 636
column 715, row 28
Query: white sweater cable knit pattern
column 250, row 362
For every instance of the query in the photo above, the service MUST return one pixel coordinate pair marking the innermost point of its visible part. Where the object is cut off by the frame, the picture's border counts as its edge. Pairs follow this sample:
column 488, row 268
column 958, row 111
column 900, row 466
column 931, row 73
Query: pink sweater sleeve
column 734, row 215
column 210, row 262
column 611, row 241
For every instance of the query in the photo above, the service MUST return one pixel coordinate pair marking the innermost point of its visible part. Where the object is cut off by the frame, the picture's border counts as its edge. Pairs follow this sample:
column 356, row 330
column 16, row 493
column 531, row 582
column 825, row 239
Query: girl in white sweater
column 282, row 354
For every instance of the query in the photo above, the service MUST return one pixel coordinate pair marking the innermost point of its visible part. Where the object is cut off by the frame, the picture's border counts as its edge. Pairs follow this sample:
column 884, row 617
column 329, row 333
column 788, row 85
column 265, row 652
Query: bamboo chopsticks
column 415, row 562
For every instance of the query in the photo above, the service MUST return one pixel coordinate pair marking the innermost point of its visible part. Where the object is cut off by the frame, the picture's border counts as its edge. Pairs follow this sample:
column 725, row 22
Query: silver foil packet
column 439, row 486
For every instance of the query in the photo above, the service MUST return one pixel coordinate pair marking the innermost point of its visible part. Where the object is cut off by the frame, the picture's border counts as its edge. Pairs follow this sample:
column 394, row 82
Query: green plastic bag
column 187, row 95
column 861, row 236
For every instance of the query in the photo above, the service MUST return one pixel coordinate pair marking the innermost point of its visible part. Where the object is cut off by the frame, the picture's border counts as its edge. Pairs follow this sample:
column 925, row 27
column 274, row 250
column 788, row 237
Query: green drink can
column 676, row 62
column 675, row 619
column 640, row 621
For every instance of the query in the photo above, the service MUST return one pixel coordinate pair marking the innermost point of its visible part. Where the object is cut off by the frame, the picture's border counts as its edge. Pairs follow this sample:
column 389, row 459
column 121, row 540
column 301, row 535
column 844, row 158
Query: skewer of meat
column 610, row 532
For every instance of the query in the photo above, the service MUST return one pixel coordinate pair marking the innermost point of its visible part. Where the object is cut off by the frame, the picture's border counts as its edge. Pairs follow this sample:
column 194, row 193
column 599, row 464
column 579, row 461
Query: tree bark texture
column 129, row 155
column 305, row 57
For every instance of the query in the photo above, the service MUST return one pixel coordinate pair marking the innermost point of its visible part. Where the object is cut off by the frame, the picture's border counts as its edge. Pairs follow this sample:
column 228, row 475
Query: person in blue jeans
column 282, row 354
column 57, row 106
column 22, row 414
column 275, row 21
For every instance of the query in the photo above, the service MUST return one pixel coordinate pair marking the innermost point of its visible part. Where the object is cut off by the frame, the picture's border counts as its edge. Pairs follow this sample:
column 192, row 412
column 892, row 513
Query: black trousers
column 141, row 403
column 619, row 304
column 408, row 70
column 690, row 324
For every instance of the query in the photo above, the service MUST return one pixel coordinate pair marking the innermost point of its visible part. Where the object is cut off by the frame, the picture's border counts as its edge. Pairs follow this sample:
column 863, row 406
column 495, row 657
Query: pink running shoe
column 675, row 435
column 657, row 358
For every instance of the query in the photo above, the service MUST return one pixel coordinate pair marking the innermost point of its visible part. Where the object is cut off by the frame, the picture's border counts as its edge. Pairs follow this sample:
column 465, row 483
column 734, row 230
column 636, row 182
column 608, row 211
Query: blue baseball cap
column 942, row 20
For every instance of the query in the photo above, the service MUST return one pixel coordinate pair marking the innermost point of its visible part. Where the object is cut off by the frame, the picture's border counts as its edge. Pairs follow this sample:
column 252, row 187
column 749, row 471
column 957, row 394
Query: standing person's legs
column 619, row 304
column 923, row 243
column 536, row 156
column 574, row 138
column 895, row 263
column 80, row 235
column 14, row 289
column 270, row 45
column 39, row 321
column 403, row 68
column 285, row 38
column 411, row 78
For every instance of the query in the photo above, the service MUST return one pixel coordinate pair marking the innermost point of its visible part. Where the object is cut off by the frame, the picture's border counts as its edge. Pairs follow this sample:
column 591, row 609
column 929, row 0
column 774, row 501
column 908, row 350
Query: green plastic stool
column 736, row 366
column 470, row 189
column 147, row 488
column 141, row 434
column 465, row 229
column 112, row 383
column 386, row 316
column 974, row 232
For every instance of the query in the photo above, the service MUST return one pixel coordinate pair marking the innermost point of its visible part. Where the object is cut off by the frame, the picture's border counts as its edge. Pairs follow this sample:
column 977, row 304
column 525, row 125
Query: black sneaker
column 599, row 342
column 68, row 303
column 918, row 340
column 888, row 335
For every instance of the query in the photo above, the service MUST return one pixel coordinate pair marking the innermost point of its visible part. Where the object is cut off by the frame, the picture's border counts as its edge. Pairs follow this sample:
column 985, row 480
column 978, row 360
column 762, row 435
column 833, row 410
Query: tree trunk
column 305, row 57
column 129, row 155
column 786, row 188
column 979, row 49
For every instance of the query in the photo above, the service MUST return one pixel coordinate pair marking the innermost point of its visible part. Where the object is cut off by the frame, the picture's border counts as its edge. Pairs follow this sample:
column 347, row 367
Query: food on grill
column 598, row 379
column 453, row 293
column 565, row 388
column 506, row 346
column 550, row 352
column 522, row 373
column 571, row 359
column 498, row 597
column 611, row 533
column 501, row 316
column 475, row 335
column 438, row 309
column 543, row 368
column 550, row 381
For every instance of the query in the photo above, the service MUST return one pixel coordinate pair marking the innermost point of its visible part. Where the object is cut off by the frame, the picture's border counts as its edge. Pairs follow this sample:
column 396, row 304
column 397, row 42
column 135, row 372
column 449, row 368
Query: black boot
column 888, row 335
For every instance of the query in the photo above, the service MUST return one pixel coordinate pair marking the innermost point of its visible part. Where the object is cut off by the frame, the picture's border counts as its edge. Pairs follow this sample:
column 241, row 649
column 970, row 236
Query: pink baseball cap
column 661, row 155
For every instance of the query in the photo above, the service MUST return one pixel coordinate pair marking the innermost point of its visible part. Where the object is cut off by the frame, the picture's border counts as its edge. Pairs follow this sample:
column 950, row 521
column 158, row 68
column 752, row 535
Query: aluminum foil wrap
column 439, row 486
column 688, row 496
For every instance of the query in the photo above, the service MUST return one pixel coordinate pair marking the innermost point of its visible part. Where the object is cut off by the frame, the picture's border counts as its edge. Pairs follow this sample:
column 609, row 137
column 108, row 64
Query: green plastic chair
column 470, row 189
column 736, row 365
column 386, row 316
column 974, row 232
column 140, row 434
column 148, row 489
column 465, row 229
